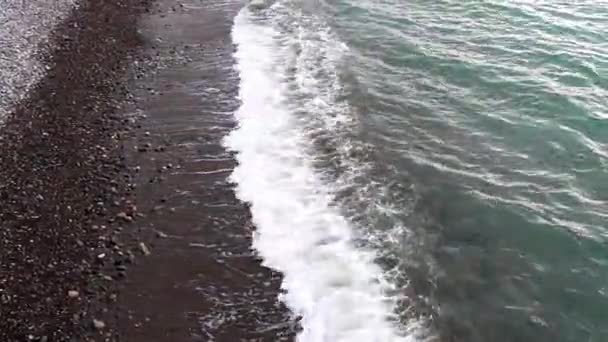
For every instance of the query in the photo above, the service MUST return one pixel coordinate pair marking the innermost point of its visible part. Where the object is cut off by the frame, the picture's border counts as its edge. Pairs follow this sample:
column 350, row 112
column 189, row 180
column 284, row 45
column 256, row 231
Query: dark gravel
column 63, row 181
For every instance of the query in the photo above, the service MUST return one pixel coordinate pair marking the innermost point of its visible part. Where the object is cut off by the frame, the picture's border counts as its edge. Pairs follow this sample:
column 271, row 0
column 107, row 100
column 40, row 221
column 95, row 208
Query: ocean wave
column 288, row 93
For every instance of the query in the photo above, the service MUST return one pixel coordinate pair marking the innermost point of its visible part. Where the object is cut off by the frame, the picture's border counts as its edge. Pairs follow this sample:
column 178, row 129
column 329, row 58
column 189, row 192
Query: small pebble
column 124, row 217
column 144, row 249
column 99, row 325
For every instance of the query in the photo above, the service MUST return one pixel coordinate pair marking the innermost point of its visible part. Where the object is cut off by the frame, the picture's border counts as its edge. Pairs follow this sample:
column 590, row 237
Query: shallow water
column 421, row 169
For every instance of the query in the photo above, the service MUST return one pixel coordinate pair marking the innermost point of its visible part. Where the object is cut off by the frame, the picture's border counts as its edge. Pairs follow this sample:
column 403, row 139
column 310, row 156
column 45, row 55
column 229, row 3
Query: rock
column 161, row 235
column 144, row 249
column 73, row 294
column 130, row 258
column 132, row 209
column 123, row 216
column 99, row 325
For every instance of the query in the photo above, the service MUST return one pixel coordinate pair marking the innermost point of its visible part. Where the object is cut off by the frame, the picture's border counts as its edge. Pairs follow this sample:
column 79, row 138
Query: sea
column 418, row 171
column 428, row 170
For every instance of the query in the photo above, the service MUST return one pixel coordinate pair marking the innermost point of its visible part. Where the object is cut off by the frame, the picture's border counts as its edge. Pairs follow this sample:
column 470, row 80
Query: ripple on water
column 496, row 110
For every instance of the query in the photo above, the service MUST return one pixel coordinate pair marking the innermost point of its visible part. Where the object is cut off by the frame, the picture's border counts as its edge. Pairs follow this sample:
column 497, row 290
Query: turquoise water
column 500, row 111
column 467, row 143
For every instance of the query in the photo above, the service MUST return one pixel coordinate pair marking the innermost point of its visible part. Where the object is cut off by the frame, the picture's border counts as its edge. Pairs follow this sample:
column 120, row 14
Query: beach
column 118, row 223
column 303, row 170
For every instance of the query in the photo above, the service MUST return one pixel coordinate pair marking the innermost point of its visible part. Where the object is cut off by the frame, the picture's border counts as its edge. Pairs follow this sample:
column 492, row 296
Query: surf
column 331, row 282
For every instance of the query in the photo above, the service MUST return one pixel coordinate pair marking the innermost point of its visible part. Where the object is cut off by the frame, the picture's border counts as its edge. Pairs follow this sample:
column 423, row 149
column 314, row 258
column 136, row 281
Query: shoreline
column 100, row 205
column 207, row 282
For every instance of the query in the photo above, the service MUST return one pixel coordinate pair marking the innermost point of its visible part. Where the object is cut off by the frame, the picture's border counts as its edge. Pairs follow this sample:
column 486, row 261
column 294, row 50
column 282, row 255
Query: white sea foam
column 335, row 286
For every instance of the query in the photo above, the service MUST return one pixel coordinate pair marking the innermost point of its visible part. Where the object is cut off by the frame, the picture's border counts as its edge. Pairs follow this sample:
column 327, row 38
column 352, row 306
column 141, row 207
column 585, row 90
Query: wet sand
column 201, row 282
column 117, row 219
